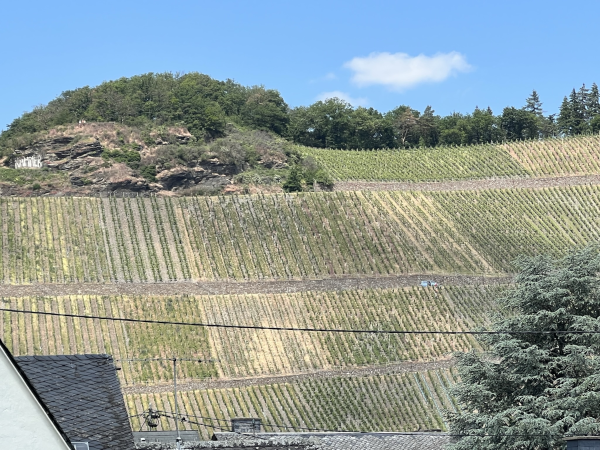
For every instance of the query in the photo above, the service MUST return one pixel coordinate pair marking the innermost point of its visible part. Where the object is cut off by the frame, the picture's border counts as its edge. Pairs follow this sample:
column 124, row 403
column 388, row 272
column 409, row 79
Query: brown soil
column 468, row 185
column 245, row 287
column 400, row 367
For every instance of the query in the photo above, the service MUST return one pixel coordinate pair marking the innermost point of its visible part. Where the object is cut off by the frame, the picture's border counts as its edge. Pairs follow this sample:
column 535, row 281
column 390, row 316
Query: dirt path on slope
column 244, row 287
column 401, row 367
column 467, row 185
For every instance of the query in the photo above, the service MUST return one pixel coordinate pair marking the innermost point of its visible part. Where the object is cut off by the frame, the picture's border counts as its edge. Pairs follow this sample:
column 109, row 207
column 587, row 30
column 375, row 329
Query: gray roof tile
column 353, row 441
column 83, row 394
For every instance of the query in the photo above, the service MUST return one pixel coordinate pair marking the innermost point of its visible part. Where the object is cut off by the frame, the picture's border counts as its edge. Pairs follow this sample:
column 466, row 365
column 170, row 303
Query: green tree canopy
column 528, row 391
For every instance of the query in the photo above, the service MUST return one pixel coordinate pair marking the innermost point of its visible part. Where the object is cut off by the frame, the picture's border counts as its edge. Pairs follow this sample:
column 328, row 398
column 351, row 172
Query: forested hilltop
column 190, row 133
column 205, row 105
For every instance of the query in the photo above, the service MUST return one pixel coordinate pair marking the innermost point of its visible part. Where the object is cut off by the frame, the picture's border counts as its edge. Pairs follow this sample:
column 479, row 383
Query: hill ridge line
column 399, row 367
column 244, row 287
column 469, row 185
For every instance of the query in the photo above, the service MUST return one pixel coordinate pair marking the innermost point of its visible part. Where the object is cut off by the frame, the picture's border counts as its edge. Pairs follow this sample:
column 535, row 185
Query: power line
column 199, row 360
column 309, row 330
column 183, row 418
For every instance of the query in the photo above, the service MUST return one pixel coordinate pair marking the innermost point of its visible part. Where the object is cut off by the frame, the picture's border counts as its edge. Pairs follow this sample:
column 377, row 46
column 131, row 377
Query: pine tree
column 577, row 113
column 529, row 391
column 534, row 105
column 293, row 183
column 583, row 100
column 593, row 104
column 565, row 117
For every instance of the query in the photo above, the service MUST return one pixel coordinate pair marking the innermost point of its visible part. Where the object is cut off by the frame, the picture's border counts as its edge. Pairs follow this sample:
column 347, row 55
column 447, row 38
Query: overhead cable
column 300, row 329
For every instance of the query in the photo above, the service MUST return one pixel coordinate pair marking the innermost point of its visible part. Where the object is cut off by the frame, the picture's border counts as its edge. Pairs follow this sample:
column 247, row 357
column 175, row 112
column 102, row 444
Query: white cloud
column 400, row 71
column 360, row 101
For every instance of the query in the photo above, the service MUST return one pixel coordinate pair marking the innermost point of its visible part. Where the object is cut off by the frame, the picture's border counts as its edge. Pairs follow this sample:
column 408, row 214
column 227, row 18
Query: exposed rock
column 183, row 138
column 58, row 153
column 127, row 185
column 89, row 173
column 179, row 176
column 217, row 167
column 182, row 177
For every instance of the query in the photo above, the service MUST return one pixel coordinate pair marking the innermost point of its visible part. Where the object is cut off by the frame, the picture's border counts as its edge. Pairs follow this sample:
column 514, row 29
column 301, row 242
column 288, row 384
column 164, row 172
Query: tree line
column 205, row 106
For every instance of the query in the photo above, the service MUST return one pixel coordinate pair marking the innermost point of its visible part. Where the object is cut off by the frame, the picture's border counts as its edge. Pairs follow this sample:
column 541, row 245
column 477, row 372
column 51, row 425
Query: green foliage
column 22, row 177
column 293, row 182
column 202, row 104
column 169, row 156
column 265, row 109
column 530, row 390
column 519, row 124
column 207, row 106
column 312, row 172
column 148, row 172
column 122, row 156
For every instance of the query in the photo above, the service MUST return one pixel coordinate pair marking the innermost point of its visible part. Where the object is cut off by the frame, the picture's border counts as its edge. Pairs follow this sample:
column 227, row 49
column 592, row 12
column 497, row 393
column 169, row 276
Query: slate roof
column 415, row 441
column 355, row 441
column 317, row 441
column 83, row 394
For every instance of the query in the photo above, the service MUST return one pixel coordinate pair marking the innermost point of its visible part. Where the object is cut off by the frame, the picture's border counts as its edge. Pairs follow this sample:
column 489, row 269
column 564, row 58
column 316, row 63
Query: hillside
column 111, row 159
column 535, row 158
column 284, row 371
column 87, row 245
column 351, row 260
column 260, row 237
column 189, row 134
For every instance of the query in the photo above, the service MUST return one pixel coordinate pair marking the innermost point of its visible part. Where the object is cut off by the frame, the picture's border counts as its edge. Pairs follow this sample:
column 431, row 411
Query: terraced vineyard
column 243, row 353
column 575, row 155
column 428, row 164
column 295, row 236
column 310, row 235
column 394, row 402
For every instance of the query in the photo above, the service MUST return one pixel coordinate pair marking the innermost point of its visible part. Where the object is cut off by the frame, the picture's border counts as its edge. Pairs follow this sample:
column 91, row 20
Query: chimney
column 246, row 425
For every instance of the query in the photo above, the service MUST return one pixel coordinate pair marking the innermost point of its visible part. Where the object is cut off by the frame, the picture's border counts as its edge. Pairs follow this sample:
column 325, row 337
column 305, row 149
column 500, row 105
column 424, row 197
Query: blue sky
column 451, row 55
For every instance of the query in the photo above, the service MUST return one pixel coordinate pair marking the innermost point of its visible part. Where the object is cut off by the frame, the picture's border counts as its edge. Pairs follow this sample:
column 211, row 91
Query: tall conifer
column 529, row 391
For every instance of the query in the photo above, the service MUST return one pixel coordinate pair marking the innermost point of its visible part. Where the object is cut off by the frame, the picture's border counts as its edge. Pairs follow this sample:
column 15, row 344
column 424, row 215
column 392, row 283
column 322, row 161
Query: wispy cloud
column 327, row 77
column 400, row 71
column 360, row 101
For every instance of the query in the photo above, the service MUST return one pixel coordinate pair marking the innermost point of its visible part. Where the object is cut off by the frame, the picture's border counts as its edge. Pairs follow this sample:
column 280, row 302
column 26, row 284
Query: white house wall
column 23, row 421
column 29, row 162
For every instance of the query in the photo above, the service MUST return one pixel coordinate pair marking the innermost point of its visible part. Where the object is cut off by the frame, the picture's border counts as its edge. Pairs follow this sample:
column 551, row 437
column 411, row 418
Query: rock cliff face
column 89, row 173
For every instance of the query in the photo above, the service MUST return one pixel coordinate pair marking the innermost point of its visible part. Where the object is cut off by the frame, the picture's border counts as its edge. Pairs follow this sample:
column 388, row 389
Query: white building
column 29, row 162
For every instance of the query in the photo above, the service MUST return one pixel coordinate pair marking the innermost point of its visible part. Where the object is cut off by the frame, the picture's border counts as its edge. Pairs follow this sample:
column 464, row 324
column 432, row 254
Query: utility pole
column 178, row 440
column 174, row 359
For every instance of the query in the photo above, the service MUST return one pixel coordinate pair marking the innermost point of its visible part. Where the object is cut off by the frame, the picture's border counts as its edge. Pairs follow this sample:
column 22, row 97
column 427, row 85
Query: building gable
column 83, row 393
column 26, row 422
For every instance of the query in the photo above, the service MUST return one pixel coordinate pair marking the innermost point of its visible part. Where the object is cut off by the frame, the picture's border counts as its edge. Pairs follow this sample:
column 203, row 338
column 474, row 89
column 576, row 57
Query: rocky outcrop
column 89, row 173
column 182, row 177
column 61, row 153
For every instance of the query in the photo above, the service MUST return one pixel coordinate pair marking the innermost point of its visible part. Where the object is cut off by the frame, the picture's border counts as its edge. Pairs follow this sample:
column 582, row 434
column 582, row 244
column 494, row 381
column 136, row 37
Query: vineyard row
column 393, row 402
column 288, row 236
column 243, row 353
column 571, row 156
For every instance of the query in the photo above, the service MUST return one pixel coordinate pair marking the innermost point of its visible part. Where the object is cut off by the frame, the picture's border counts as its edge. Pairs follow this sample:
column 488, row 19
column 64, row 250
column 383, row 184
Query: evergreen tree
column 534, row 105
column 583, row 100
column 293, row 183
column 565, row 118
column 593, row 104
column 531, row 390
column 578, row 113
